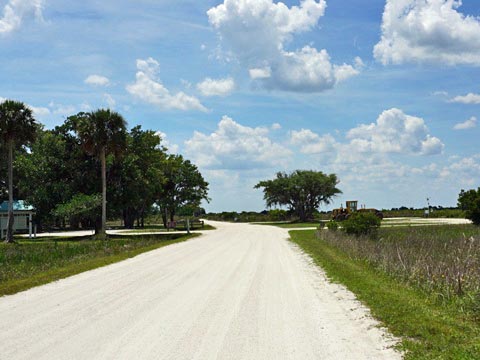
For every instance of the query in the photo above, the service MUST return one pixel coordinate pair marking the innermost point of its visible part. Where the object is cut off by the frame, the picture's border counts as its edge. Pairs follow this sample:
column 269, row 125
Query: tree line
column 90, row 168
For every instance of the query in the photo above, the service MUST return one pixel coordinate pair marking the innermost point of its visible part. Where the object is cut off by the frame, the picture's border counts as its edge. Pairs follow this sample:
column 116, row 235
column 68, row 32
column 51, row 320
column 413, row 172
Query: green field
column 31, row 263
column 161, row 229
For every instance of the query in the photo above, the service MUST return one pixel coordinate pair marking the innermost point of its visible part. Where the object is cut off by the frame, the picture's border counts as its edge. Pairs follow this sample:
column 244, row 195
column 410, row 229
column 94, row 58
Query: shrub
column 361, row 223
column 332, row 225
column 470, row 202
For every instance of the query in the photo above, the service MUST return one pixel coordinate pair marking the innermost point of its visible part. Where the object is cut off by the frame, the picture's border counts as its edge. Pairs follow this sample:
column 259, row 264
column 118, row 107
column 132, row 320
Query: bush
column 332, row 225
column 470, row 202
column 361, row 223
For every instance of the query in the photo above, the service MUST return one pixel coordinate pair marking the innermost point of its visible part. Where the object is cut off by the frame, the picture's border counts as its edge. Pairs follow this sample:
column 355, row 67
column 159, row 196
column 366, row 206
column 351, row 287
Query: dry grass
column 442, row 260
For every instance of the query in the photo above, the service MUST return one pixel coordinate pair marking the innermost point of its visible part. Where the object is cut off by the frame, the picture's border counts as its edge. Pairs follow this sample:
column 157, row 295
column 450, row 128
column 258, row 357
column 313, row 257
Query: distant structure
column 22, row 215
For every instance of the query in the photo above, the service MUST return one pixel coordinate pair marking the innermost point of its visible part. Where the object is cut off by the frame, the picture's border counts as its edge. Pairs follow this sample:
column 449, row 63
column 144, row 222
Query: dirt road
column 240, row 292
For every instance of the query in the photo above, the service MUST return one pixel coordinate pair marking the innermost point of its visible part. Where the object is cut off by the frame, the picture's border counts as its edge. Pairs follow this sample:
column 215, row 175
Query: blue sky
column 383, row 93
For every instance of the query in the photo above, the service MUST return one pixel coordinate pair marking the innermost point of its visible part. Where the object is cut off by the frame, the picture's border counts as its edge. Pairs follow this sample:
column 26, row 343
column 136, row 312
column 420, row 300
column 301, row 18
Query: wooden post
column 30, row 225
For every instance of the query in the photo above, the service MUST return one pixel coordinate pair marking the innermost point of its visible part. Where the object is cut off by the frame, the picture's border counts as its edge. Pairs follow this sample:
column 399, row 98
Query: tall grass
column 442, row 260
column 27, row 258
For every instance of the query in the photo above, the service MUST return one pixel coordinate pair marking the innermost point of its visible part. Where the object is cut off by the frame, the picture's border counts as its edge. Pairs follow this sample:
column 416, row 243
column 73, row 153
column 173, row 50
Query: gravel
column 239, row 292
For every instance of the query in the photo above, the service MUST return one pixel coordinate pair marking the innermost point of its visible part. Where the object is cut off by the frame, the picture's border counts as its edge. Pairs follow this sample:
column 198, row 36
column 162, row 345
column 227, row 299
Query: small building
column 22, row 214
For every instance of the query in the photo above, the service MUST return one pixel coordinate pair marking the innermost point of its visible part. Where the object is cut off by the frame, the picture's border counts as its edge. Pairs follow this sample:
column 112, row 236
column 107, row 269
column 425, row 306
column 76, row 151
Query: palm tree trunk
column 104, row 192
column 9, row 238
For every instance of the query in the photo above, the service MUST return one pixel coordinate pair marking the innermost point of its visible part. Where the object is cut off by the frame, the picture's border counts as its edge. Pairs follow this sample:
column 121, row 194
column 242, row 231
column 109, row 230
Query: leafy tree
column 138, row 177
column 102, row 132
column 469, row 201
column 54, row 170
column 303, row 191
column 83, row 208
column 17, row 128
column 184, row 186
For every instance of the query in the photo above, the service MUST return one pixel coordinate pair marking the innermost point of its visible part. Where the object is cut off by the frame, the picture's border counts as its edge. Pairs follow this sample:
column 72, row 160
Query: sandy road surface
column 240, row 292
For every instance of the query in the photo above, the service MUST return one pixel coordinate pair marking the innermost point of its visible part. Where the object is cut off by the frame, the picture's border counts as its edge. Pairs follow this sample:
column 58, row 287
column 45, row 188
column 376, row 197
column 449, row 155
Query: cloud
column 234, row 146
column 40, row 112
column 470, row 98
column 97, row 80
column 395, row 132
column 149, row 89
column 311, row 143
column 468, row 124
column 464, row 171
column 16, row 10
column 428, row 31
column 109, row 100
column 264, row 73
column 172, row 148
column 256, row 33
column 220, row 87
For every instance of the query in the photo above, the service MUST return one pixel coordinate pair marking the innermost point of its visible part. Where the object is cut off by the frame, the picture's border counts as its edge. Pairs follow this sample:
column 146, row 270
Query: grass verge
column 156, row 229
column 28, row 264
column 429, row 330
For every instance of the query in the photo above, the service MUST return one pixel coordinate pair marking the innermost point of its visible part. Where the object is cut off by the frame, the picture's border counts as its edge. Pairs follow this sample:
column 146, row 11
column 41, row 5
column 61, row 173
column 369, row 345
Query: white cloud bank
column 256, row 32
column 148, row 88
column 311, row 143
column 16, row 10
column 428, row 30
column 234, row 146
column 219, row 87
column 97, row 80
column 395, row 132
column 468, row 124
column 470, row 98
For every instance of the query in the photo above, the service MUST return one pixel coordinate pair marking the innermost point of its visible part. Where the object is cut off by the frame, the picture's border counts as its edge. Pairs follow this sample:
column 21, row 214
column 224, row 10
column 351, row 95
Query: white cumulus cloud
column 428, row 30
column 97, row 80
column 256, row 33
column 234, row 146
column 312, row 143
column 395, row 132
column 16, row 10
column 470, row 98
column 216, row 87
column 468, row 124
column 148, row 88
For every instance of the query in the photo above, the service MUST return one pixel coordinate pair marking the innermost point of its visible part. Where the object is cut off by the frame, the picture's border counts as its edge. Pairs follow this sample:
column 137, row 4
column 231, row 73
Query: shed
column 22, row 215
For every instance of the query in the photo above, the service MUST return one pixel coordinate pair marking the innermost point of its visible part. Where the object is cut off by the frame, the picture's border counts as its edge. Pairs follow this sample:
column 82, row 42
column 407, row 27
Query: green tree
column 469, row 201
column 303, row 191
column 17, row 128
column 138, row 177
column 102, row 132
column 54, row 170
column 82, row 207
column 184, row 186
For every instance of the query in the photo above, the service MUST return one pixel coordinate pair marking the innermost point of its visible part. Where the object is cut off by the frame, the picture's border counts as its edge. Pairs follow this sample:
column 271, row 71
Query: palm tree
column 102, row 132
column 17, row 128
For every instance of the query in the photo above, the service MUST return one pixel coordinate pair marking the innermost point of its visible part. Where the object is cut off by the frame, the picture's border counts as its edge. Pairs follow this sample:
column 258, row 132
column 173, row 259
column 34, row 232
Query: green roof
column 18, row 205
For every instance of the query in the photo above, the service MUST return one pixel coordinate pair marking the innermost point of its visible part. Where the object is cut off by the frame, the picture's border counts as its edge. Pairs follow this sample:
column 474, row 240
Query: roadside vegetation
column 26, row 263
column 63, row 172
column 423, row 283
column 161, row 229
